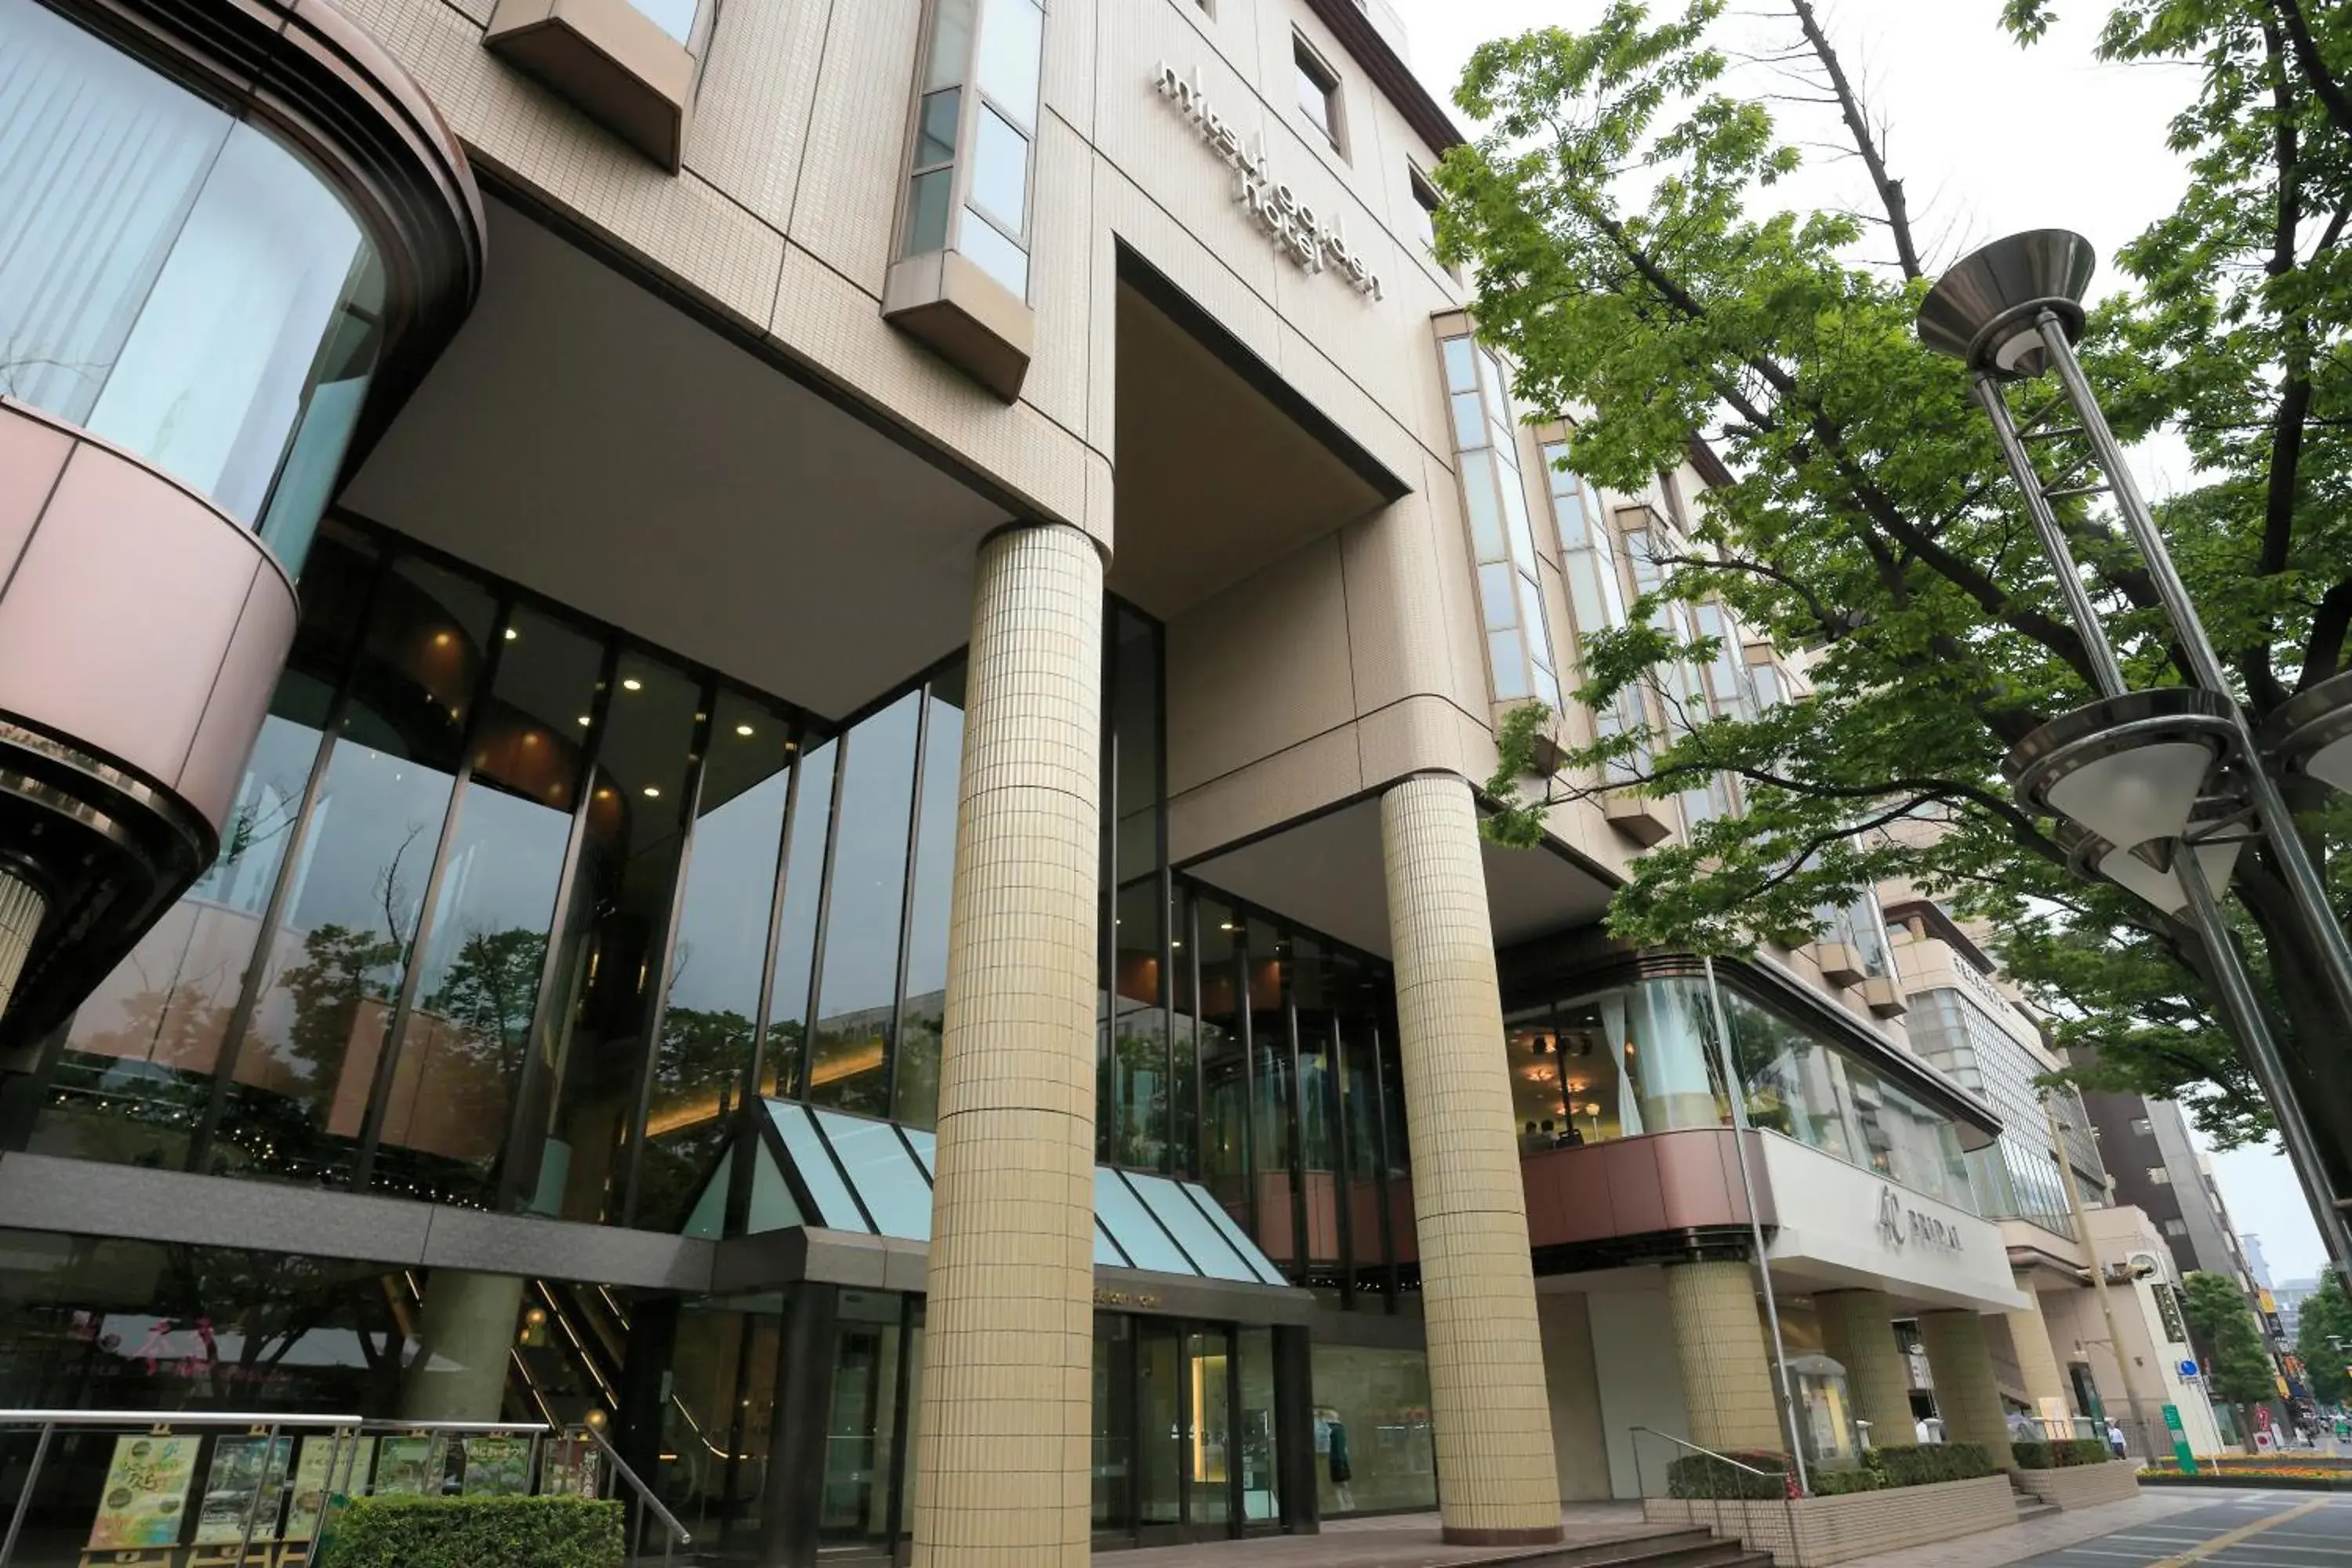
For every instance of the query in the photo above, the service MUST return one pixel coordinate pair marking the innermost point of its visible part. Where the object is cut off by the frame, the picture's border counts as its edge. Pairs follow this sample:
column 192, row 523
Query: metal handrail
column 1788, row 1500
column 343, row 1428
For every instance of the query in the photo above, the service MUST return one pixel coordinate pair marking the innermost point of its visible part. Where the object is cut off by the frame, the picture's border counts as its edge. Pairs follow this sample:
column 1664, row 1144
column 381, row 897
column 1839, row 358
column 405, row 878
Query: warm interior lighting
column 584, row 720
column 633, row 684
column 512, row 633
column 847, row 1064
column 742, row 729
column 652, row 792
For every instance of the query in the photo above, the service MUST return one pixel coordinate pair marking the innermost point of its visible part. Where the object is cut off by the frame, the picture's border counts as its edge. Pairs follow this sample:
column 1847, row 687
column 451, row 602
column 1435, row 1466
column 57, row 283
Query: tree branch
column 1890, row 189
column 2330, row 91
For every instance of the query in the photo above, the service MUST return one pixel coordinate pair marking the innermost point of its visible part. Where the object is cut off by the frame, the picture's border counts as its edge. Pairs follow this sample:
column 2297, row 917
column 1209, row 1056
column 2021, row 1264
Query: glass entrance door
column 1167, row 1431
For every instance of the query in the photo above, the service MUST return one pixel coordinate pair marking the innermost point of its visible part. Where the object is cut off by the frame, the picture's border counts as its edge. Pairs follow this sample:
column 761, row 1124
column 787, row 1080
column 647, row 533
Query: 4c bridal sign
column 1311, row 240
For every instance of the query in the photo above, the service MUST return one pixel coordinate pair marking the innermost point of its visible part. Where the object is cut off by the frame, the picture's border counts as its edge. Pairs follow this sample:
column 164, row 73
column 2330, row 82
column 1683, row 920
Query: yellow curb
column 2225, row 1541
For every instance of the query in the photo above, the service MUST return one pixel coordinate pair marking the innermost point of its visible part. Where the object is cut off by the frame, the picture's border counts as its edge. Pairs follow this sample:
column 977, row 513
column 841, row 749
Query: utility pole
column 2098, row 1274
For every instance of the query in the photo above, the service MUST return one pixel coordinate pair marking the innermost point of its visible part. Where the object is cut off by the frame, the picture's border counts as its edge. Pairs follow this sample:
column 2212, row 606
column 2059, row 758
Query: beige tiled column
column 1496, row 1482
column 1858, row 1333
column 1001, row 1470
column 2037, row 1360
column 1726, row 1367
column 1966, row 1395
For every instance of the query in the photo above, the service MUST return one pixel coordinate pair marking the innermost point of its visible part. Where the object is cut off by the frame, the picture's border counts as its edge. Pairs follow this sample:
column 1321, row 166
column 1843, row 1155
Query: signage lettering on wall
column 1899, row 1224
column 1143, row 1300
column 1310, row 241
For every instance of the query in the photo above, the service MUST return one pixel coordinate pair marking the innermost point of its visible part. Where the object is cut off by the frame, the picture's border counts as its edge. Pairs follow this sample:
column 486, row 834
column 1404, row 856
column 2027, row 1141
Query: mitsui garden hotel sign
column 1312, row 241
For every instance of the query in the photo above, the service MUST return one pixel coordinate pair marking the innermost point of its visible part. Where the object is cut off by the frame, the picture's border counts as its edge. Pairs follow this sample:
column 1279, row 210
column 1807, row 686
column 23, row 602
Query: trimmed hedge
column 476, row 1532
column 2066, row 1453
column 1882, row 1470
column 1704, row 1475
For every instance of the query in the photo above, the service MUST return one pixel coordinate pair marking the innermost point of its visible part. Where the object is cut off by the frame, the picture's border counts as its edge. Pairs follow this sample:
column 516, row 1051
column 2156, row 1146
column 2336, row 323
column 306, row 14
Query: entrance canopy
column 825, row 1169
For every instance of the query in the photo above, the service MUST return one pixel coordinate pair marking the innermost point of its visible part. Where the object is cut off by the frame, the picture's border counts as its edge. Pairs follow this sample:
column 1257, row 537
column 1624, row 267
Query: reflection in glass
column 704, row 1054
column 1261, row 1493
column 924, row 1012
column 860, row 1422
column 850, row 1065
column 1114, row 1422
column 462, row 1051
column 181, row 285
column 307, row 1071
column 1373, row 1451
column 1208, row 1362
column 1011, row 41
column 1000, row 172
column 135, row 1077
column 628, row 869
column 811, row 814
column 1160, row 1449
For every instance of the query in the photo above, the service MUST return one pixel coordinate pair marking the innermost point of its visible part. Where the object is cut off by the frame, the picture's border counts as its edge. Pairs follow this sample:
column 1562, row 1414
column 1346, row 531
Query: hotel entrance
column 1184, row 1431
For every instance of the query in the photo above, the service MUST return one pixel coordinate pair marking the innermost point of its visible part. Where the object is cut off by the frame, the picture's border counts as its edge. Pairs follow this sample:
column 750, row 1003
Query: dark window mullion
column 273, row 913
column 804, row 1076
column 656, row 1013
column 1301, row 1248
column 550, row 966
column 387, row 1061
column 894, row 1051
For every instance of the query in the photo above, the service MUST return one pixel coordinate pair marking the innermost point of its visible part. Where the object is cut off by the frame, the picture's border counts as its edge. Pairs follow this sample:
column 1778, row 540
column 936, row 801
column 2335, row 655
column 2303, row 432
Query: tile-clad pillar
column 1719, row 1346
column 1967, row 1397
column 1496, row 1482
column 1001, row 1474
column 2037, row 1359
column 1858, row 1333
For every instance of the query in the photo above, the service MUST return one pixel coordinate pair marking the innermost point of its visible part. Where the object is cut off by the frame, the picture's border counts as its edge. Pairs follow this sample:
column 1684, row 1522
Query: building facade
column 823, row 812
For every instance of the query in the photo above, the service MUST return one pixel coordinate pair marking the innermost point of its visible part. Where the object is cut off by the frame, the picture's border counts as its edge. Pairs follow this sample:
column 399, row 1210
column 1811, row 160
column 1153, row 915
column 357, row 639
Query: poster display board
column 244, row 1489
column 146, row 1497
column 497, row 1467
column 409, row 1467
column 323, row 1465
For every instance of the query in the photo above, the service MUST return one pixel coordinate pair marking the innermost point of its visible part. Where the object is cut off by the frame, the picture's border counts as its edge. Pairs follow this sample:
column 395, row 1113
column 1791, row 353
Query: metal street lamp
column 2128, row 770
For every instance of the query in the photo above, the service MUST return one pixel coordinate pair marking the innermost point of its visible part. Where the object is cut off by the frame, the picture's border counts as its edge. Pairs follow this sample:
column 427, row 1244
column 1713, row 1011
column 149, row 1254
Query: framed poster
column 145, row 1498
column 323, row 1465
column 409, row 1467
column 569, row 1467
column 497, row 1467
column 245, row 1482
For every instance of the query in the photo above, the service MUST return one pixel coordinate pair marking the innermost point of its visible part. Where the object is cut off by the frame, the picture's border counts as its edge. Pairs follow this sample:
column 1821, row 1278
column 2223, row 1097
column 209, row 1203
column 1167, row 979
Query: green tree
column 2323, row 1341
column 1634, row 258
column 2239, row 1370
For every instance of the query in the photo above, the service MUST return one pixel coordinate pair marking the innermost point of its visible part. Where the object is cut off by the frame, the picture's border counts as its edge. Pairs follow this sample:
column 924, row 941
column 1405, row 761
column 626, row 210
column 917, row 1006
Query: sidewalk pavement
column 2051, row 1531
column 1394, row 1540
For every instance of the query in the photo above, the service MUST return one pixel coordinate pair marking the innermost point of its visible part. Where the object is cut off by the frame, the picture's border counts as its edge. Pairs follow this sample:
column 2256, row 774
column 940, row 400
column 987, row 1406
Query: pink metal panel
column 1635, row 1206
column 1322, row 1217
column 240, row 697
column 32, row 455
column 126, row 601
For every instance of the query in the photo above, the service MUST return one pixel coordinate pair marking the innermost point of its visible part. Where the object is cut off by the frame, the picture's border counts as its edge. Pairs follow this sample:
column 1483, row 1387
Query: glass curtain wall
column 1642, row 1057
column 1958, row 1036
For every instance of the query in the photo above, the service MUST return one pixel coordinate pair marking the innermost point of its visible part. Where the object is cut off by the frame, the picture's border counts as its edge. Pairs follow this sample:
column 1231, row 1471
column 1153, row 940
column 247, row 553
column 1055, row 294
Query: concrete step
column 1674, row 1549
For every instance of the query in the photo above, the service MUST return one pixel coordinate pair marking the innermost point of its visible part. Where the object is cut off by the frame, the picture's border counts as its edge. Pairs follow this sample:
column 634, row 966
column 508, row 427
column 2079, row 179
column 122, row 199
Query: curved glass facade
column 516, row 914
column 1642, row 1057
column 177, row 281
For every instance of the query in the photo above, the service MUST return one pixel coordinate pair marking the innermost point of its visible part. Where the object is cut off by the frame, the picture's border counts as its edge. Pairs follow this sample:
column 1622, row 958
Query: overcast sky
column 1988, row 138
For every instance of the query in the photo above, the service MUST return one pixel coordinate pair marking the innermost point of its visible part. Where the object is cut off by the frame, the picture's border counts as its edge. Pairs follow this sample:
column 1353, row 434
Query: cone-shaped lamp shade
column 2162, row 888
column 1983, row 310
column 2312, row 732
column 2136, row 792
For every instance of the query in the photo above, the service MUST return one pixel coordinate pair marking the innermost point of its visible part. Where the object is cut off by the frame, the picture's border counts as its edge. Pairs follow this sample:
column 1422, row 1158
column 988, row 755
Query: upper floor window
column 1518, row 630
column 2159, row 1175
column 975, row 125
column 1425, row 203
column 2143, row 1126
column 1319, row 91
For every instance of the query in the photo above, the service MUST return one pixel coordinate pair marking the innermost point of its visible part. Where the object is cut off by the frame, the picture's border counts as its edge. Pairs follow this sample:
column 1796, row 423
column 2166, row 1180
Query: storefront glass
column 1642, row 1057
column 177, row 281
column 1373, row 1452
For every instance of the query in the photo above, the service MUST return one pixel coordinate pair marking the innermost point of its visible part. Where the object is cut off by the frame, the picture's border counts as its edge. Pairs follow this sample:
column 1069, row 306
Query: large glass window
column 975, row 123
column 1373, row 1452
column 177, row 282
column 703, row 1057
column 923, row 1014
column 857, row 995
column 1486, row 437
column 1642, row 1057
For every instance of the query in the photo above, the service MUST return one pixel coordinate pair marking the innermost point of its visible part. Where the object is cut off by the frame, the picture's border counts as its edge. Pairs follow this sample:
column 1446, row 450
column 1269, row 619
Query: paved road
column 2247, row 1529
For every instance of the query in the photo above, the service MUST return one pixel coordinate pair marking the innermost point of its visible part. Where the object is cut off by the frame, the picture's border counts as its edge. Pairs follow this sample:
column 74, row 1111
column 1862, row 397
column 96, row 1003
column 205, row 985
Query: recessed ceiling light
column 583, row 718
column 440, row 640
column 653, row 789
column 633, row 684
column 742, row 729
column 512, row 633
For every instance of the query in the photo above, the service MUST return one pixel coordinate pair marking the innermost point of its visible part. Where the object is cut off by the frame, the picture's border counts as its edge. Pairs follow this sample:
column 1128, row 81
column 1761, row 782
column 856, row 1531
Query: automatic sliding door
column 1209, row 1450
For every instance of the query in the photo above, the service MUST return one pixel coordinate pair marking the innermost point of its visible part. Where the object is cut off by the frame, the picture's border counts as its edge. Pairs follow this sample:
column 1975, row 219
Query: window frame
column 1308, row 67
column 973, row 100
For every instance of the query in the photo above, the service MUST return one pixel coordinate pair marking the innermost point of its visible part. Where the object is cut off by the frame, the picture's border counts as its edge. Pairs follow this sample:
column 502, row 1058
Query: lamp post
column 2129, row 772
